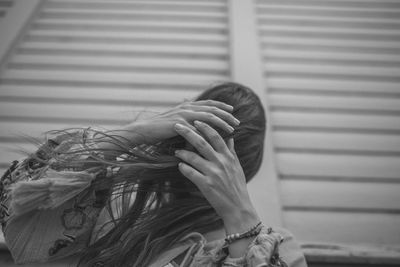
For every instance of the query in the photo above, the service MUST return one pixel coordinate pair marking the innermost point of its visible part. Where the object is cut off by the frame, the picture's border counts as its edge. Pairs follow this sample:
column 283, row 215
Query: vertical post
column 246, row 68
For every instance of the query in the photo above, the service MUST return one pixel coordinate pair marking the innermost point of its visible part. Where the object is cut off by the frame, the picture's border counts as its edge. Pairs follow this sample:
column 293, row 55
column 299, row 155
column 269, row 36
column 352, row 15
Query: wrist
column 240, row 220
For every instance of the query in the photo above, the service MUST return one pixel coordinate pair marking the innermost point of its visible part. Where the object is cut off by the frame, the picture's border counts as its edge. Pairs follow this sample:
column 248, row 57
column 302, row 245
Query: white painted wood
column 247, row 69
column 102, row 95
column 141, row 5
column 332, row 120
column 336, row 141
column 315, row 31
column 337, row 165
column 350, row 255
column 360, row 5
column 170, row 14
column 350, row 228
column 316, row 20
column 81, row 34
column 327, row 85
column 10, row 28
column 332, row 72
column 117, row 113
column 157, row 50
column 331, row 57
column 115, row 24
column 368, row 104
column 114, row 77
column 307, row 68
column 328, row 195
column 332, row 41
column 331, row 12
column 172, row 65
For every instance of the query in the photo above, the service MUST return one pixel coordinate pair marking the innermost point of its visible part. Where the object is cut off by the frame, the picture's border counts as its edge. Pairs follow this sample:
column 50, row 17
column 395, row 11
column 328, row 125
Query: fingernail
column 179, row 127
column 198, row 123
column 237, row 122
column 177, row 152
column 231, row 129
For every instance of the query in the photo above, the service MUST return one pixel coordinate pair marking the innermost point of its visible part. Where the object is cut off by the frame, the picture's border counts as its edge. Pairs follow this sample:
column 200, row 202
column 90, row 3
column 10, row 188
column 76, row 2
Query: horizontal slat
column 331, row 12
column 334, row 4
column 327, row 72
column 132, row 50
column 330, row 32
column 330, row 57
column 299, row 84
column 138, row 5
column 333, row 120
column 128, row 36
column 121, row 39
column 134, row 15
column 373, row 45
column 333, row 165
column 327, row 195
column 149, row 1
column 351, row 228
column 333, row 48
column 355, row 142
column 110, row 77
column 107, row 96
column 80, row 111
column 67, row 24
column 315, row 20
column 345, row 103
column 155, row 65
column 128, row 28
column 350, row 255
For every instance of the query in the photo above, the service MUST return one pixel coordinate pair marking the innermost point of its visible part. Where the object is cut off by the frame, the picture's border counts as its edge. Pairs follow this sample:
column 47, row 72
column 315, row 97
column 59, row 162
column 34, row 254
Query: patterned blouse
column 48, row 214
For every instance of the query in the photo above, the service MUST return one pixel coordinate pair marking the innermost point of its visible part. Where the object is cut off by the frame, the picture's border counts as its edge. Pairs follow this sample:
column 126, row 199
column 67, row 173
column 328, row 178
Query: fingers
column 214, row 103
column 214, row 120
column 191, row 173
column 212, row 136
column 231, row 145
column 196, row 141
column 224, row 115
column 194, row 160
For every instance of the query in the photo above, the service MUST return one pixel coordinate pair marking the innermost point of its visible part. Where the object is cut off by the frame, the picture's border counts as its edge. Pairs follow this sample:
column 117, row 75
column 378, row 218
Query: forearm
column 239, row 221
column 112, row 143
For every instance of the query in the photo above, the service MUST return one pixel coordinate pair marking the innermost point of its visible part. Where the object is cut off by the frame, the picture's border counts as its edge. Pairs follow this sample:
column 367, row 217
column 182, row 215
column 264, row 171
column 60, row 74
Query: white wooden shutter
column 332, row 70
column 4, row 6
column 98, row 62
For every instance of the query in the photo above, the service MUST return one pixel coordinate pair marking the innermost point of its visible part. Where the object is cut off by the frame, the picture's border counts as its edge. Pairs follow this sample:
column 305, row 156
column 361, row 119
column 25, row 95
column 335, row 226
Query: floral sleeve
column 269, row 249
column 47, row 208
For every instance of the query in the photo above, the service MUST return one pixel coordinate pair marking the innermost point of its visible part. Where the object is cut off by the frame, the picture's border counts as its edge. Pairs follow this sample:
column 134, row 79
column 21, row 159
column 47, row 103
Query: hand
column 161, row 126
column 218, row 175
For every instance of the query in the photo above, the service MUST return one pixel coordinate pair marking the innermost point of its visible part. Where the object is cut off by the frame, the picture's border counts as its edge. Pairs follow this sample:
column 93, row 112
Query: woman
column 169, row 191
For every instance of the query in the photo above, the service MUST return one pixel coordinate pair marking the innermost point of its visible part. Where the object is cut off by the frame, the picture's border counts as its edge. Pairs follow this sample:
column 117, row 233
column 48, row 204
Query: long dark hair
column 164, row 208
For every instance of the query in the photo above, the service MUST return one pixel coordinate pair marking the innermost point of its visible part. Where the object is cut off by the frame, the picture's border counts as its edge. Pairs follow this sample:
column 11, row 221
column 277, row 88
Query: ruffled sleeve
column 269, row 248
column 47, row 210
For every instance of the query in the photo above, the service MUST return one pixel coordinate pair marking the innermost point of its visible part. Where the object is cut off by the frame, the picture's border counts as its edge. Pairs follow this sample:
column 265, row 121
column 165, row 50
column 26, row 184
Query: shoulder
column 290, row 250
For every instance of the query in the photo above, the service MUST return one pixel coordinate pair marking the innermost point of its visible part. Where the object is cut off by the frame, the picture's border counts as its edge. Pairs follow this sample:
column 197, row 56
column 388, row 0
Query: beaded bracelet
column 253, row 231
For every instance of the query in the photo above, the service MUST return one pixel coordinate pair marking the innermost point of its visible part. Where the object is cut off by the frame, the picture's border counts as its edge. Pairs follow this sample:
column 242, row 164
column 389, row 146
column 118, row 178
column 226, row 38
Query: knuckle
column 214, row 109
column 202, row 143
column 214, row 137
column 209, row 116
column 180, row 120
column 208, row 182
